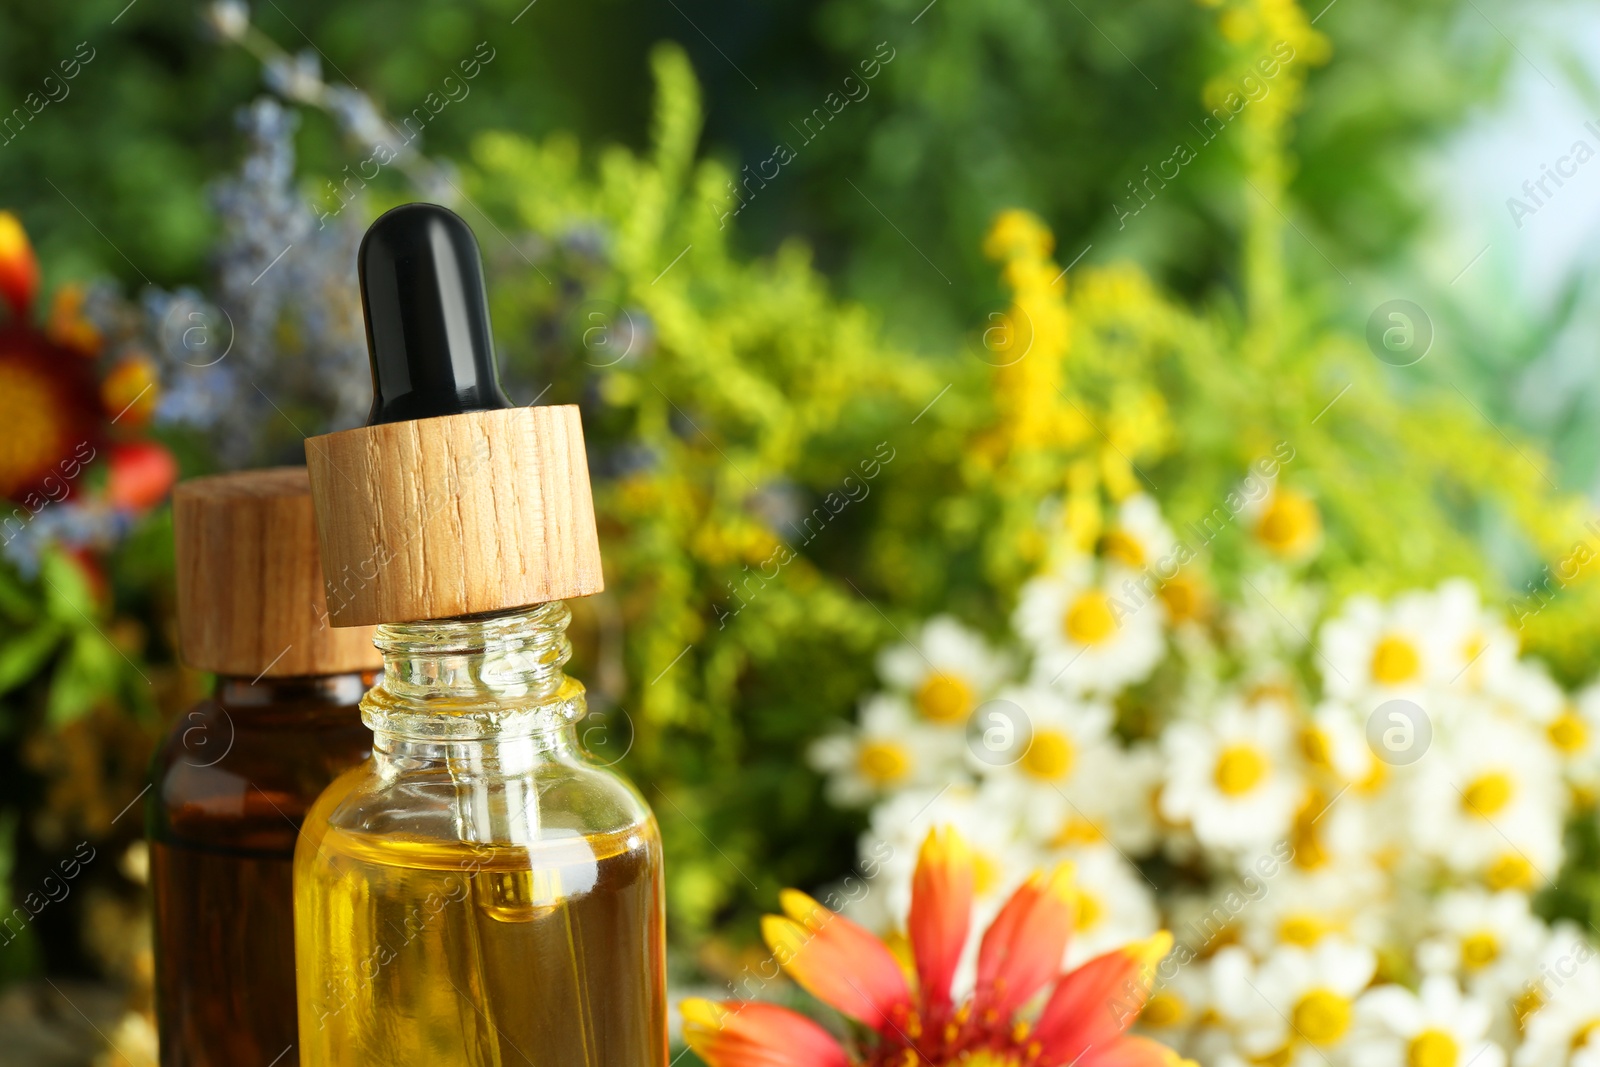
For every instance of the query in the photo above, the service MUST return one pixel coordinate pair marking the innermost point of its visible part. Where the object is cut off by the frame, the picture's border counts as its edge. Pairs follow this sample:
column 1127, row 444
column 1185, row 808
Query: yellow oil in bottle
column 435, row 954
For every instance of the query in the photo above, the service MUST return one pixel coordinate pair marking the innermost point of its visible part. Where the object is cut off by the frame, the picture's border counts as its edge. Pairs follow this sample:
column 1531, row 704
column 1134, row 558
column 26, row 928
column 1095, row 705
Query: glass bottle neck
column 479, row 679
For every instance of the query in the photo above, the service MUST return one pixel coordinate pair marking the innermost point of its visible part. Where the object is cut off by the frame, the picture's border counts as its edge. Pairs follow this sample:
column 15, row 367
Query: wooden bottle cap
column 453, row 515
column 250, row 600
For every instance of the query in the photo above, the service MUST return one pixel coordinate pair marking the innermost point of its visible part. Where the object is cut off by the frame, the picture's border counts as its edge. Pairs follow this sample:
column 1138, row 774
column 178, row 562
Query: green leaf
column 86, row 676
column 17, row 601
column 68, row 597
column 24, row 655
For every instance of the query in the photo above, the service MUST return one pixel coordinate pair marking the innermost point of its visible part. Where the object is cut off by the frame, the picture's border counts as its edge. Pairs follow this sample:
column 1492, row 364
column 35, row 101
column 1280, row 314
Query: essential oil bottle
column 234, row 777
column 480, row 892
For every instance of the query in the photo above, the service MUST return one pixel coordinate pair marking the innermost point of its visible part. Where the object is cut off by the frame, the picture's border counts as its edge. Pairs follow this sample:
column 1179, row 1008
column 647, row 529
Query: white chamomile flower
column 1303, row 908
column 888, row 750
column 1230, row 777
column 1040, row 738
column 1047, row 756
column 1284, row 521
column 1114, row 903
column 1490, row 940
column 1372, row 651
column 1139, row 539
column 1335, row 742
column 1574, row 733
column 1487, row 800
column 1298, row 1006
column 945, row 672
column 1112, row 801
column 1435, row 1027
column 1525, row 690
column 1088, row 637
column 1588, row 1054
column 1479, row 651
column 1559, row 1006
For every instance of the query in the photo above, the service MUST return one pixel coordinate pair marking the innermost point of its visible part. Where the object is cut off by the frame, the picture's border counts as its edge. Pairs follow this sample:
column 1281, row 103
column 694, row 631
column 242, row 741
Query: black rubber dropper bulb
column 427, row 315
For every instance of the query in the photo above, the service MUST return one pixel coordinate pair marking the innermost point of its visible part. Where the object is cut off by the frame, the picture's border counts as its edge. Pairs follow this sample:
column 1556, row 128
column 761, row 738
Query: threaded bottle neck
column 482, row 677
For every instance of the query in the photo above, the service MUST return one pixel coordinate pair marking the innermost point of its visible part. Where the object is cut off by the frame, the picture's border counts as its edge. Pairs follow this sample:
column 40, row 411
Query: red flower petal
column 19, row 270
column 141, row 474
column 1023, row 947
column 838, row 962
column 751, row 1034
column 1091, row 1007
column 941, row 913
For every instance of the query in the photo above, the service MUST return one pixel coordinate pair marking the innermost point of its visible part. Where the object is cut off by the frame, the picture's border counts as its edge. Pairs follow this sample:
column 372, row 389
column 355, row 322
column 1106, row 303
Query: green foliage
column 720, row 392
column 1028, row 102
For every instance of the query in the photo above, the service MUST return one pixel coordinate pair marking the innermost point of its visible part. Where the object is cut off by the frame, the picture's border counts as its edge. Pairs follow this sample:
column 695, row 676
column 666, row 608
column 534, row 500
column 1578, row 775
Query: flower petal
column 1023, row 947
column 142, row 472
column 941, row 912
column 751, row 1034
column 19, row 270
column 1134, row 1052
column 1093, row 1005
column 838, row 962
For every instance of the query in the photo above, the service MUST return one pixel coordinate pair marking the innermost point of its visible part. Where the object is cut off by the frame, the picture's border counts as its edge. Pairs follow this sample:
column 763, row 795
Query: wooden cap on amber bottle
column 450, row 501
column 250, row 594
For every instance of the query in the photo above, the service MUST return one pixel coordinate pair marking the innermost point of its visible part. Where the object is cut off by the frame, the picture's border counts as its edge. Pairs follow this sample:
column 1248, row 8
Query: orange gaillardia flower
column 917, row 1023
column 49, row 403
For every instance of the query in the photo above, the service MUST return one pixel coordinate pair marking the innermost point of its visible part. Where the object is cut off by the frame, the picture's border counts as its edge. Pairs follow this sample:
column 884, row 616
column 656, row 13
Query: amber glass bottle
column 232, row 781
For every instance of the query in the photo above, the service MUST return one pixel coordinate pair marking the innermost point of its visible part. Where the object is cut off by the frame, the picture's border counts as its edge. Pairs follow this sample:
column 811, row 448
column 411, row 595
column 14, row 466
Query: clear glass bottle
column 231, row 783
column 480, row 892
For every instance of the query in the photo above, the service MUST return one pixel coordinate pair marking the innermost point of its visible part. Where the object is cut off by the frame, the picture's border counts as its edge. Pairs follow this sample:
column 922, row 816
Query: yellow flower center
column 1122, row 547
column 975, row 1059
column 1568, row 733
column 1322, row 1016
column 1309, row 853
column 1302, row 929
column 1395, row 661
column 1316, row 747
column 1289, row 525
column 1182, row 598
column 1432, row 1048
column 944, row 698
column 1479, row 950
column 1089, row 911
column 1050, row 756
column 883, row 763
column 1487, row 795
column 1580, row 1037
column 1076, row 830
column 1525, row 1004
column 1239, row 769
column 1509, row 871
column 1089, row 620
column 1164, row 1008
column 31, row 415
